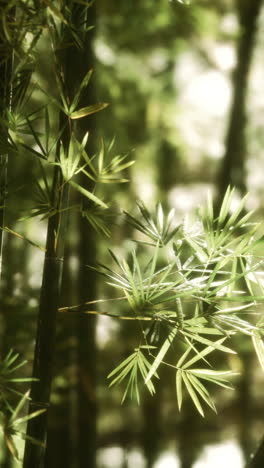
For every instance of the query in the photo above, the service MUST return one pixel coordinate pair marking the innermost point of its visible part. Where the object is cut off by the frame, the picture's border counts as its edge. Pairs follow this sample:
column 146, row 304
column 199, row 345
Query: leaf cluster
column 12, row 402
column 202, row 285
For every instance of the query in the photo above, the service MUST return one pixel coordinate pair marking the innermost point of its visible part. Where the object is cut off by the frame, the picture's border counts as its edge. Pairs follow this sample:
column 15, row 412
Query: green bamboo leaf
column 235, row 309
column 10, row 358
column 34, row 441
column 62, row 93
column 55, row 11
column 203, row 330
column 201, row 390
column 160, row 217
column 121, row 366
column 179, row 387
column 20, row 236
column 132, row 367
column 209, row 349
column 33, row 151
column 244, row 220
column 163, row 350
column 216, row 377
column 88, row 194
column 123, row 373
column 236, row 323
column 231, row 280
column 136, row 299
column 21, row 379
column 101, row 156
column 82, row 86
column 140, row 283
column 153, row 265
column 259, row 347
column 97, row 222
column 183, row 357
column 192, row 393
column 216, row 374
column 237, row 212
column 144, row 365
column 28, row 417
column 120, row 167
column 84, row 111
column 241, row 298
column 215, row 345
column 220, row 264
column 225, row 207
column 11, row 446
column 197, row 250
column 18, row 408
column 112, row 180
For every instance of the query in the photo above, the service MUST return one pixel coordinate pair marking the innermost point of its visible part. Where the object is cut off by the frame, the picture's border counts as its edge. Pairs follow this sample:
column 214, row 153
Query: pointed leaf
column 88, row 110
column 192, row 393
column 179, row 387
column 166, row 345
column 88, row 194
column 259, row 347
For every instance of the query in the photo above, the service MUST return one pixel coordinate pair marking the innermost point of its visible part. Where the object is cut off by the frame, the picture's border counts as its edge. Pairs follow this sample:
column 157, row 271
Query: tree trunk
column 86, row 377
column 233, row 166
column 152, row 429
column 86, row 410
column 257, row 459
column 86, row 329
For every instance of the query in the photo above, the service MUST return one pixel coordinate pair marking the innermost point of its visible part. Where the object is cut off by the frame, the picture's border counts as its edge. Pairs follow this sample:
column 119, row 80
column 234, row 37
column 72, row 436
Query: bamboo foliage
column 207, row 291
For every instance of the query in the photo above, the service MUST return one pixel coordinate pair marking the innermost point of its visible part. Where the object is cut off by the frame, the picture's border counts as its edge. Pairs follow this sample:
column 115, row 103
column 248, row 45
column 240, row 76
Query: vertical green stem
column 46, row 328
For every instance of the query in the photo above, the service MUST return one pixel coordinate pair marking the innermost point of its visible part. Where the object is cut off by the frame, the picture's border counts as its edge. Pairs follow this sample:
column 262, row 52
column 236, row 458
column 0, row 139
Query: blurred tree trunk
column 86, row 353
column 189, row 439
column 245, row 403
column 233, row 166
column 85, row 326
column 257, row 459
column 151, row 434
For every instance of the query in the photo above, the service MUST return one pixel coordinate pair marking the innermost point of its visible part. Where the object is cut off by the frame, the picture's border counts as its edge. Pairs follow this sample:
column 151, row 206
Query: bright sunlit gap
column 212, row 456
column 227, row 453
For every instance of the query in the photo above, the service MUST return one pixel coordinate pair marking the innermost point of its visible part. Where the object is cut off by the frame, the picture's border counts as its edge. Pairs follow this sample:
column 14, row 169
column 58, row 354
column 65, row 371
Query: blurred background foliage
column 184, row 85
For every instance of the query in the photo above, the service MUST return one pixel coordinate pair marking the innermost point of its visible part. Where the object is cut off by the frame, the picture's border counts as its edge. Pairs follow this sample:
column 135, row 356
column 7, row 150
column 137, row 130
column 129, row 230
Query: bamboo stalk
column 46, row 328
